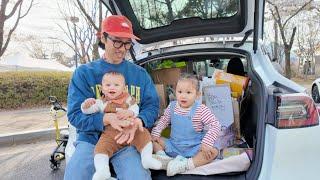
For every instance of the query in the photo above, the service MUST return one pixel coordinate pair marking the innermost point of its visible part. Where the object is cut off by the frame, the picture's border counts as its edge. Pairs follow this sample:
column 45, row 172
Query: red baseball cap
column 118, row 26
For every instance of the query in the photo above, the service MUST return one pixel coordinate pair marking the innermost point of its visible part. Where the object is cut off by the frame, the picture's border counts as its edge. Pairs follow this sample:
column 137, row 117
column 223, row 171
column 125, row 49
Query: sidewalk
column 27, row 125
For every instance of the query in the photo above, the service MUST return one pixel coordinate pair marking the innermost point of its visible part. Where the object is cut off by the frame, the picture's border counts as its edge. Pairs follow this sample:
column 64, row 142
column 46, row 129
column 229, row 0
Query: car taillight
column 295, row 111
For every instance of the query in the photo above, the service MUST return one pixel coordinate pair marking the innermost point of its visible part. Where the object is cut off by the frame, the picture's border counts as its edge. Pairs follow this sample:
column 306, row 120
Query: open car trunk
column 251, row 102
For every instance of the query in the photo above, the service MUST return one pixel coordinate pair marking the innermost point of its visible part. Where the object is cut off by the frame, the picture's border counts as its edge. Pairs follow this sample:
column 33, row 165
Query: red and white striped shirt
column 203, row 118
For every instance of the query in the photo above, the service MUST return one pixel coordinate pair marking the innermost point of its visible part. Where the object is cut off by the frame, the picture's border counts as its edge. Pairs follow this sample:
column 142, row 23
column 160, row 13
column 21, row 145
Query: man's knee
column 139, row 173
column 127, row 165
column 81, row 165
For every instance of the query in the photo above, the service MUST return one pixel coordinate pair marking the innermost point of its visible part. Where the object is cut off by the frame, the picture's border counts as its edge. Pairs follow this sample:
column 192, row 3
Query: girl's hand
column 155, row 139
column 209, row 151
column 88, row 103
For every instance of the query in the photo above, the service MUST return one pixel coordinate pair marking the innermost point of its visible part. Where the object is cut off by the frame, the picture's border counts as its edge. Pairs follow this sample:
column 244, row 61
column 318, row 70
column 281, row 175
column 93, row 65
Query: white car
column 278, row 119
column 315, row 90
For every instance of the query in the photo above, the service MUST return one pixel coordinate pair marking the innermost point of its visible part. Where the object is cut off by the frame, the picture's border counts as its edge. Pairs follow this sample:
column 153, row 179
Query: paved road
column 29, row 162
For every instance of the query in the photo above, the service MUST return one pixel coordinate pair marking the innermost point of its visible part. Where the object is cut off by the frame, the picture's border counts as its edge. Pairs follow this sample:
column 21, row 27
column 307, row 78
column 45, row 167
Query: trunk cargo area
column 217, row 73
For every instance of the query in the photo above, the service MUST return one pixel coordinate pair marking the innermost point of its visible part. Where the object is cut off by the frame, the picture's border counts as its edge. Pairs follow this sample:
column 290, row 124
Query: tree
column 92, row 21
column 38, row 50
column 308, row 40
column 210, row 8
column 34, row 45
column 17, row 12
column 78, row 29
column 283, row 26
column 61, row 58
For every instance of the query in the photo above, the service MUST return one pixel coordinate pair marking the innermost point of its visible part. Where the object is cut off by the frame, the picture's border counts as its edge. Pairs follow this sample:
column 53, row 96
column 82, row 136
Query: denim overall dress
column 184, row 140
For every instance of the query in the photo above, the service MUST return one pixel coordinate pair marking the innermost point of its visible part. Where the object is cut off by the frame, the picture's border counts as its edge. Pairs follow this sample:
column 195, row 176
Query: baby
column 116, row 99
column 194, row 130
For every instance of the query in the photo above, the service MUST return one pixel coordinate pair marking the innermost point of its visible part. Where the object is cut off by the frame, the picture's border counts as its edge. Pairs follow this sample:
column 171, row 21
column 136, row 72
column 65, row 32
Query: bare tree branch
column 14, row 9
column 160, row 2
column 82, row 35
column 17, row 7
column 29, row 8
column 87, row 15
column 297, row 11
column 282, row 27
column 292, row 37
column 65, row 42
column 10, row 32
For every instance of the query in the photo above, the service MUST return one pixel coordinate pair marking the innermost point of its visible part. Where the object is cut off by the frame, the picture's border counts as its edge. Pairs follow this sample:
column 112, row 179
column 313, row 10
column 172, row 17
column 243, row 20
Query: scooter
column 57, row 112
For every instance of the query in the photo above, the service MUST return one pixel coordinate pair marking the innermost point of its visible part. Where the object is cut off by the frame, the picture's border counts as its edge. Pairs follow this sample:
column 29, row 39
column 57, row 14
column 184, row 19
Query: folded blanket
column 236, row 163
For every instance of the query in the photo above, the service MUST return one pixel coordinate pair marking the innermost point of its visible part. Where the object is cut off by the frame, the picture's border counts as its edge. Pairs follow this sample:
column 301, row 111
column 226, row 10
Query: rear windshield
column 156, row 13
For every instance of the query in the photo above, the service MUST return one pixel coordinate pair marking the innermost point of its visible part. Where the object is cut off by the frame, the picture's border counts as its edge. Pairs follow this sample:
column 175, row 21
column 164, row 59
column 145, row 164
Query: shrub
column 21, row 89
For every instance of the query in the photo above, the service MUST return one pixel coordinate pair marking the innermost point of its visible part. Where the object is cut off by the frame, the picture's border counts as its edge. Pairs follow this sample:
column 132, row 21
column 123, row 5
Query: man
column 116, row 36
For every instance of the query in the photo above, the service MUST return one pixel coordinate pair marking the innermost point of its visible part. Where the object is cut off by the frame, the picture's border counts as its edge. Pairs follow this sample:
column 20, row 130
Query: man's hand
column 138, row 122
column 209, row 151
column 125, row 114
column 127, row 135
column 111, row 119
column 88, row 103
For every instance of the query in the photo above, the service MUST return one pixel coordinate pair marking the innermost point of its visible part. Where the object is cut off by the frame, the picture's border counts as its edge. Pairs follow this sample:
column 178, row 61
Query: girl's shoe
column 177, row 165
column 164, row 159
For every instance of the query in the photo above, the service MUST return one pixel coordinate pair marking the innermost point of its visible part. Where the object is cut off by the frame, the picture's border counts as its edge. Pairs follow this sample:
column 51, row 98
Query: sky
column 40, row 22
column 41, row 19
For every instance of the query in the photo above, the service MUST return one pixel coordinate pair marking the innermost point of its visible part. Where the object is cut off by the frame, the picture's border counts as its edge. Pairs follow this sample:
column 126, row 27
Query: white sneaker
column 178, row 165
column 164, row 159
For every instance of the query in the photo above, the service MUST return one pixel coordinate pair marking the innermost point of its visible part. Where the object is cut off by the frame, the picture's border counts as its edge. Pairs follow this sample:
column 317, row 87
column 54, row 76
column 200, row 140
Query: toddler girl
column 194, row 130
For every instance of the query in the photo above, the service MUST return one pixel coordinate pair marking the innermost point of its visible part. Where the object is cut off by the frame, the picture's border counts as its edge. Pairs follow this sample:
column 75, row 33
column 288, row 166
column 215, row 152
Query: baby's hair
column 114, row 73
column 190, row 77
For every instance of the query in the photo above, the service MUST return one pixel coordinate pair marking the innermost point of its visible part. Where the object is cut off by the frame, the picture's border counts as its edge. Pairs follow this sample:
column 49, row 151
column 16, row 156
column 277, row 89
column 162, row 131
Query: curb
column 28, row 137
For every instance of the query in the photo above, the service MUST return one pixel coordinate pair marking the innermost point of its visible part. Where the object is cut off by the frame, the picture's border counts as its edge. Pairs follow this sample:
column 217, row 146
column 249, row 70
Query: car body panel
column 317, row 83
column 291, row 154
column 315, row 90
column 263, row 66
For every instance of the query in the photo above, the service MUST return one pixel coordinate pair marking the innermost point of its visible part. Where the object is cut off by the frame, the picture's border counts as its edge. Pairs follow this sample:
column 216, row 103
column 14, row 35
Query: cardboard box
column 236, row 115
column 237, row 83
column 228, row 152
column 161, row 90
column 168, row 76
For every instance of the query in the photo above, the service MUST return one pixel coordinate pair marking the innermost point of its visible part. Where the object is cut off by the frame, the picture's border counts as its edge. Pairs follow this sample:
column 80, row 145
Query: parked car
column 315, row 93
column 278, row 119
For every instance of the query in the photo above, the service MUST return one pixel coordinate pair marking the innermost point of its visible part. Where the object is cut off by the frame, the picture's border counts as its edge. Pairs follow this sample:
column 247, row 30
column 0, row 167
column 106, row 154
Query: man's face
column 114, row 53
column 113, row 85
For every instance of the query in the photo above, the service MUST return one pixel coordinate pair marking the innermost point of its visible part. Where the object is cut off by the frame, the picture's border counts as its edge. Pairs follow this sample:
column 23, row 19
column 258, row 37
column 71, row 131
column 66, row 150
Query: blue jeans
column 126, row 163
